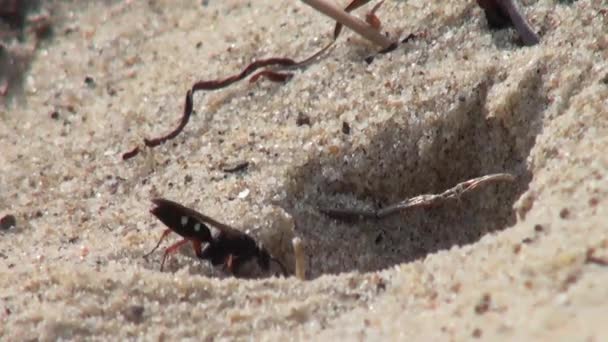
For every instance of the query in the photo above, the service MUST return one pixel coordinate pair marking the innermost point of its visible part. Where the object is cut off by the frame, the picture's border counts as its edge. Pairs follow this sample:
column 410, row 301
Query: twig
column 182, row 123
column 495, row 16
column 272, row 74
column 590, row 258
column 300, row 258
column 371, row 17
column 237, row 167
column 352, row 22
column 500, row 12
column 418, row 201
column 175, row 132
column 353, row 5
column 273, row 68
column 130, row 154
column 528, row 36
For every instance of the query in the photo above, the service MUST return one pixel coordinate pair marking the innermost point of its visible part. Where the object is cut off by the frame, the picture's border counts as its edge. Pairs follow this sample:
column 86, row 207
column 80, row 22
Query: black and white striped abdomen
column 181, row 220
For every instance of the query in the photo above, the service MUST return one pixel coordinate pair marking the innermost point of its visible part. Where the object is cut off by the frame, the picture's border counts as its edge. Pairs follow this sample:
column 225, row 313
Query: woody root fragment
column 425, row 200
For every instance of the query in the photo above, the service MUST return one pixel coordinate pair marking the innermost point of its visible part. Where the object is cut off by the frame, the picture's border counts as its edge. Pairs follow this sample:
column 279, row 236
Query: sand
column 516, row 261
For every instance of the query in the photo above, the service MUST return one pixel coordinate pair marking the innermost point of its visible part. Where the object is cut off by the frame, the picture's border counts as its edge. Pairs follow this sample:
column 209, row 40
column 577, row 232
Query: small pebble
column 243, row 194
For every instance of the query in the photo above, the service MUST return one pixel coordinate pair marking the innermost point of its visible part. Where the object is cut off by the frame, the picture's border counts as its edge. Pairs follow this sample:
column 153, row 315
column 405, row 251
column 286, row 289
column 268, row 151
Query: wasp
column 211, row 240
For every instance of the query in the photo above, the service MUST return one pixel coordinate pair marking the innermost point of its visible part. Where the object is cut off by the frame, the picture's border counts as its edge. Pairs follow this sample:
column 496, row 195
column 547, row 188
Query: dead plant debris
column 503, row 13
column 591, row 258
column 274, row 69
column 425, row 200
column 240, row 166
column 484, row 304
column 274, row 74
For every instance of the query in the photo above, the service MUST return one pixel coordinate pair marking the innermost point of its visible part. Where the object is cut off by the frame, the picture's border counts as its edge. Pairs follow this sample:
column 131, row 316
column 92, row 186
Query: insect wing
column 182, row 220
column 189, row 223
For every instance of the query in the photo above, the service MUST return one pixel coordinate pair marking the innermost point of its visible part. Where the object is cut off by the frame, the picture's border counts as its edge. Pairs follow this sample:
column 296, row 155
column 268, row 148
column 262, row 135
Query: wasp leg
column 231, row 263
column 196, row 245
column 172, row 249
column 165, row 233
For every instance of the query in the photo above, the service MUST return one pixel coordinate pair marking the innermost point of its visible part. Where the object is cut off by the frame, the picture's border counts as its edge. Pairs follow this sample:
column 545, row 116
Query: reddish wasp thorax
column 211, row 240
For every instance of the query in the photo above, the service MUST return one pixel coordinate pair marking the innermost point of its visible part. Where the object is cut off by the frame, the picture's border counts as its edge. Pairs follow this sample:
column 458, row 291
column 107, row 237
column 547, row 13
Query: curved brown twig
column 251, row 68
column 182, row 123
column 271, row 74
column 425, row 200
column 131, row 153
column 527, row 34
column 271, row 69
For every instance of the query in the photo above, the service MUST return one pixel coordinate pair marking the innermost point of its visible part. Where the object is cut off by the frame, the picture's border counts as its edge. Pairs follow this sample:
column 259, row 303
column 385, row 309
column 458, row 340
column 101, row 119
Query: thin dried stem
column 180, row 127
column 501, row 13
column 527, row 34
column 419, row 201
column 300, row 258
column 352, row 22
column 272, row 72
column 274, row 64
column 590, row 258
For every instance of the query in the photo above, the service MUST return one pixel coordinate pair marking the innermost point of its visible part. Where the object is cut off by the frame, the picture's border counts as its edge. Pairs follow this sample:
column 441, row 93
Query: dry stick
column 354, row 23
column 183, row 122
column 131, row 153
column 371, row 17
column 372, row 20
column 277, row 64
column 528, row 36
column 495, row 15
column 418, row 201
column 270, row 74
column 590, row 258
column 160, row 140
column 353, row 5
column 299, row 257
column 251, row 68
column 501, row 13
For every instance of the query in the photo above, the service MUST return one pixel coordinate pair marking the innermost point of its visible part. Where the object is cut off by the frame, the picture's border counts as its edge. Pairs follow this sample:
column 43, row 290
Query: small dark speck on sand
column 89, row 81
column 345, row 128
column 7, row 222
column 302, row 119
column 134, row 314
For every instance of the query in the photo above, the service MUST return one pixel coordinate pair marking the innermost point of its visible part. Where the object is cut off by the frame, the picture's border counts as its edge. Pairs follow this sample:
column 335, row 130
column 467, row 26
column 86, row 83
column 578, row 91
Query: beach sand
column 522, row 260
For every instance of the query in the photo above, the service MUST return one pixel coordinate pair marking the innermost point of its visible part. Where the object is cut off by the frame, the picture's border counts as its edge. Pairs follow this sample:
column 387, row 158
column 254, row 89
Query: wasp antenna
column 165, row 233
